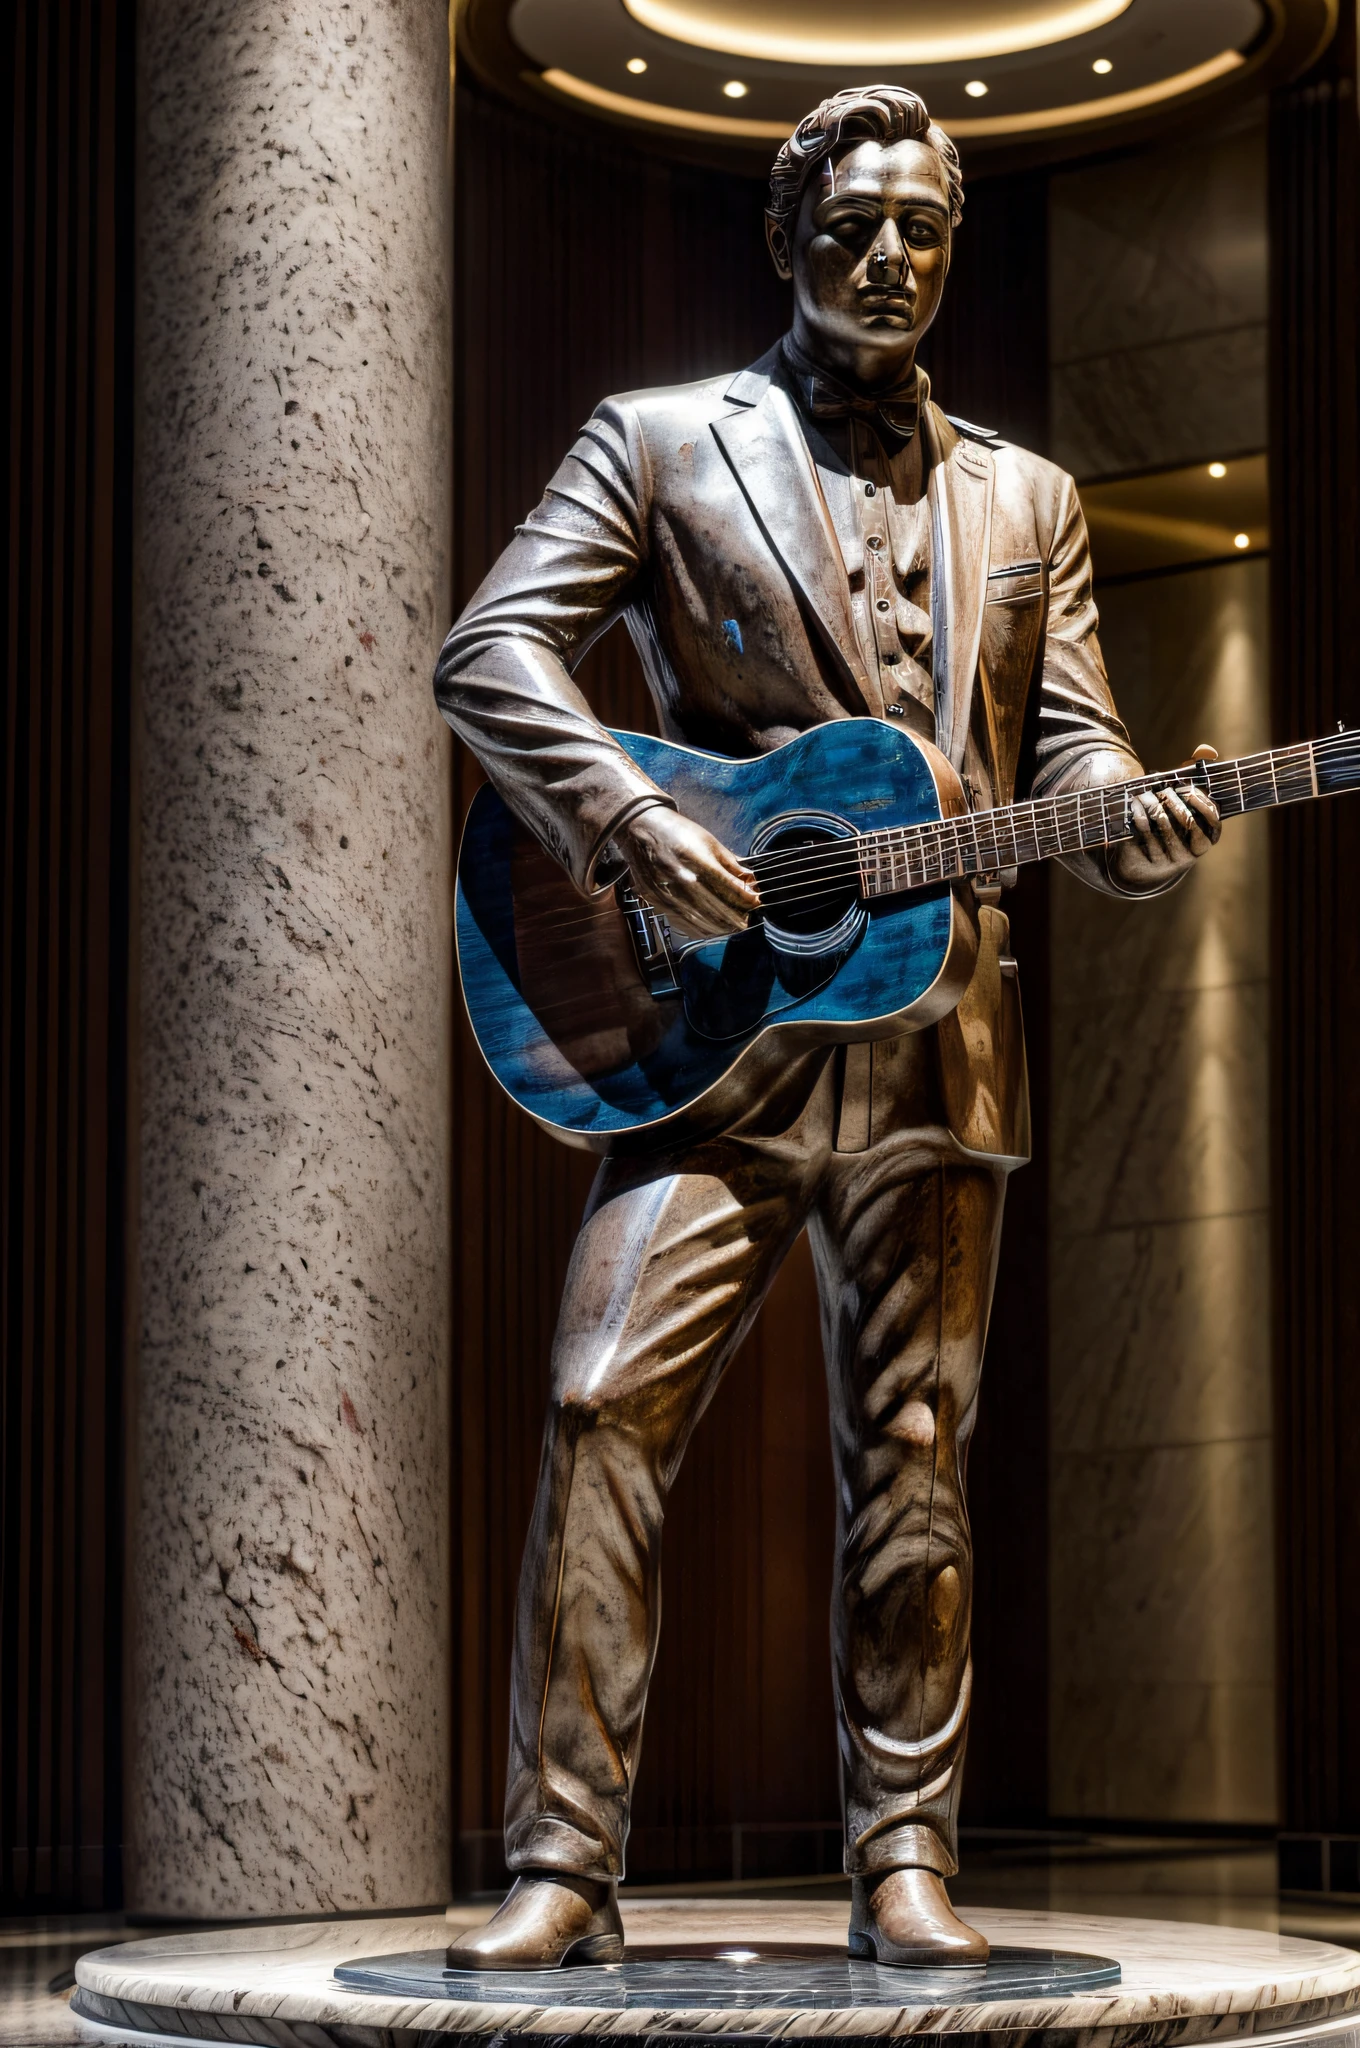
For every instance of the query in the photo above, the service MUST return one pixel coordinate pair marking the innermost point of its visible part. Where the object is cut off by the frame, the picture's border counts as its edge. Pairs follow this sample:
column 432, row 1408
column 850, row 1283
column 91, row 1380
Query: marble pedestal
column 757, row 1969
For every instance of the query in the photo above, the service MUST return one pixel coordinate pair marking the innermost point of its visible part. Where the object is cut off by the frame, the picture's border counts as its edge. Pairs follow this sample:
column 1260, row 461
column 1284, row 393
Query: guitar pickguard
column 730, row 985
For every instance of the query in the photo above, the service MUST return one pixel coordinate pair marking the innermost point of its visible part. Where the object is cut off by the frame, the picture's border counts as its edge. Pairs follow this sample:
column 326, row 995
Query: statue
column 809, row 539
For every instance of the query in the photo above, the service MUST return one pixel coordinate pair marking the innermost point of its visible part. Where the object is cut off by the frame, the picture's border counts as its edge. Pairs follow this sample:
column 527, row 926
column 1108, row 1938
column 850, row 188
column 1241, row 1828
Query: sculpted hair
column 870, row 113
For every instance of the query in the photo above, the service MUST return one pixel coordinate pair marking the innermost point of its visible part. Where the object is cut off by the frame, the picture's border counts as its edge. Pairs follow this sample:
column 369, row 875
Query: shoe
column 904, row 1918
column 547, row 1922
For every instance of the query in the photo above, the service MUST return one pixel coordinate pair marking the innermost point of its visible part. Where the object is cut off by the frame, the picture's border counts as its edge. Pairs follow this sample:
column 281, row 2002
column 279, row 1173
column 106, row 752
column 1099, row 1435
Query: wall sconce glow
column 1241, row 540
column 735, row 90
column 1102, row 67
column 975, row 89
column 637, row 65
column 806, row 31
column 1218, row 469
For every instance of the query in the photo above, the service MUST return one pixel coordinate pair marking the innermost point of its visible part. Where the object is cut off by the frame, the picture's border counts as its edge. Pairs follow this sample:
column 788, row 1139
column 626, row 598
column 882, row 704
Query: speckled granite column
column 288, row 1568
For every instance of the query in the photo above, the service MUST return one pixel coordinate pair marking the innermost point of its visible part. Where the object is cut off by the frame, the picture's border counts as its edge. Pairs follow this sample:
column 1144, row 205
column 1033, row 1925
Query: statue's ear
column 778, row 243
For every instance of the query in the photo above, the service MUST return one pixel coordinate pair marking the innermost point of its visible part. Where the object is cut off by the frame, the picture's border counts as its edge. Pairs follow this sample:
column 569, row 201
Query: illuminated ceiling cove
column 729, row 77
column 873, row 31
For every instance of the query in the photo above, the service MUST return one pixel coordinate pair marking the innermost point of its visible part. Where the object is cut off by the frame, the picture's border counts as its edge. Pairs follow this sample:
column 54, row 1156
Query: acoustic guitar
column 616, row 1032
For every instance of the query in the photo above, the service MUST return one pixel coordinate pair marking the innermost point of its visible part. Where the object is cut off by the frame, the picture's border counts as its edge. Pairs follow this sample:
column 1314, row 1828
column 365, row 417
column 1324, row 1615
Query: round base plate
column 733, row 1980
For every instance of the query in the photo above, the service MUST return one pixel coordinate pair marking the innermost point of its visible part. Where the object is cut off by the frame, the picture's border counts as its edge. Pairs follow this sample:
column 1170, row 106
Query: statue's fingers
column 1160, row 822
column 1211, row 822
column 1142, row 826
column 1182, row 817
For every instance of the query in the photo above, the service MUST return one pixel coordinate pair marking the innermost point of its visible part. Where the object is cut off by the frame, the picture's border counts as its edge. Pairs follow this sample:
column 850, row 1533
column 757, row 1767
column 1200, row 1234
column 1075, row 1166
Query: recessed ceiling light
column 1241, row 540
column 735, row 90
column 1102, row 67
column 975, row 89
column 637, row 65
column 1218, row 469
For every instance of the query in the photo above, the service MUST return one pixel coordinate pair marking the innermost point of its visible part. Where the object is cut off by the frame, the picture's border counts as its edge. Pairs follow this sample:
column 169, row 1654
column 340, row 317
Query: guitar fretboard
column 986, row 842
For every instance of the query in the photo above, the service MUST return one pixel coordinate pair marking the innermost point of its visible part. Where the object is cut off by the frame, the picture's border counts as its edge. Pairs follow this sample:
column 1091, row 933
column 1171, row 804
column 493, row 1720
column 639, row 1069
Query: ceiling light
column 735, row 90
column 1102, row 67
column 975, row 89
column 1218, row 469
column 770, row 30
column 685, row 118
column 637, row 65
column 1034, row 119
column 1241, row 540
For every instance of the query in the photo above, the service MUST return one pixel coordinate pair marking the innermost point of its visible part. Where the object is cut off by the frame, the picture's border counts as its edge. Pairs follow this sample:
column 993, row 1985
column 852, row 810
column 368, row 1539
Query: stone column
column 289, row 1743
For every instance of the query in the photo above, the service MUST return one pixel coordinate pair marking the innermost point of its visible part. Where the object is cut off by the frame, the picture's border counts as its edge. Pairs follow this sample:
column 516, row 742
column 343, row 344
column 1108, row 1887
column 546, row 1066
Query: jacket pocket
column 1021, row 583
column 981, row 1048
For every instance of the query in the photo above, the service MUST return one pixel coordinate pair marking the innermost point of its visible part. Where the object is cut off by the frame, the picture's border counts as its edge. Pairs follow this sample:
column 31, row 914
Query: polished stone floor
column 1223, row 1882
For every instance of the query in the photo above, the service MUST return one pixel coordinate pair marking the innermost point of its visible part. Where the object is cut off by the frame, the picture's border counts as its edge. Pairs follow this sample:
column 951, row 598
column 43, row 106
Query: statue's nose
column 888, row 257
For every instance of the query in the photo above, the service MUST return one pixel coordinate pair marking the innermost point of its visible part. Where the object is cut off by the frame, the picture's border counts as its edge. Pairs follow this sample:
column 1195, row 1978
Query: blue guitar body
column 616, row 1035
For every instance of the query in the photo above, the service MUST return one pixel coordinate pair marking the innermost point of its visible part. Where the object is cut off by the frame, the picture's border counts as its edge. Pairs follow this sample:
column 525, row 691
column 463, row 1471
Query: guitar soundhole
column 810, row 885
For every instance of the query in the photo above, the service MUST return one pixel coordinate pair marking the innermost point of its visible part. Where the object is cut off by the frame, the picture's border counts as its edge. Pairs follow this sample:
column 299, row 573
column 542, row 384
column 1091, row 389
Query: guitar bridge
column 651, row 941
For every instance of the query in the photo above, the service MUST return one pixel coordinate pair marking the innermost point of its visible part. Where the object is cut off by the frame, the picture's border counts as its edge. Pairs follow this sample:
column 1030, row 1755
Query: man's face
column 869, row 255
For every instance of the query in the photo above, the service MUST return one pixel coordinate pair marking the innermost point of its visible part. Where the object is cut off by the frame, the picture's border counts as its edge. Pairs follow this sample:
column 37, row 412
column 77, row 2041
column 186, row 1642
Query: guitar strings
column 817, row 872
column 801, row 859
column 801, row 874
column 1253, row 773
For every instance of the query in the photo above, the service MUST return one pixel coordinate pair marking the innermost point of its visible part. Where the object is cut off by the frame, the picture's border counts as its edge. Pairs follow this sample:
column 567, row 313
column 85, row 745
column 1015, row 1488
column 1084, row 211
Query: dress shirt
column 873, row 480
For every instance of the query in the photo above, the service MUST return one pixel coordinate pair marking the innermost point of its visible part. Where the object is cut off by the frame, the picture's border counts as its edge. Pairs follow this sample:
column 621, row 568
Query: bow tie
column 893, row 415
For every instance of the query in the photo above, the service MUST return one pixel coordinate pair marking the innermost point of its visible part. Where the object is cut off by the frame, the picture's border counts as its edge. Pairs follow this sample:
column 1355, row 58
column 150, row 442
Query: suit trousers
column 674, row 1257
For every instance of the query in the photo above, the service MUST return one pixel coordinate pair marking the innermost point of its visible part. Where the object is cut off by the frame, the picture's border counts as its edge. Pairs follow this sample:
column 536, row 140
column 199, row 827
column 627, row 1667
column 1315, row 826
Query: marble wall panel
column 1211, row 932
column 1188, row 660
column 1158, row 307
column 1157, row 1324
column 1160, row 1112
column 1160, row 404
column 1165, row 244
column 1209, row 1507
column 1161, row 1581
column 1206, row 1750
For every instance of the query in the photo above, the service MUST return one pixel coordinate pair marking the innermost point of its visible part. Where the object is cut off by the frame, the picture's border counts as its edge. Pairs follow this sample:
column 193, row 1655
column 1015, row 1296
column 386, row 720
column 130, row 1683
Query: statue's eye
column 850, row 228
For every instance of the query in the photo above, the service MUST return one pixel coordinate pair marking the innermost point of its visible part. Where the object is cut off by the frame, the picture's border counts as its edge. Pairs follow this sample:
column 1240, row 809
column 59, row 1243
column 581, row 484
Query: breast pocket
column 1012, row 631
column 1022, row 583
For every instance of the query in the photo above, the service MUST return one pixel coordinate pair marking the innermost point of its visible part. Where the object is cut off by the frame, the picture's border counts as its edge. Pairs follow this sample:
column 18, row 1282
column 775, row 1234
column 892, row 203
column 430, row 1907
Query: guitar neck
column 986, row 842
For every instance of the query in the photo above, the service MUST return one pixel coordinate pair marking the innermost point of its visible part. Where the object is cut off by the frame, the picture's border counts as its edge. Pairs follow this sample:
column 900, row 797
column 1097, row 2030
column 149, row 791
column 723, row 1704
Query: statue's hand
column 1174, row 828
column 686, row 873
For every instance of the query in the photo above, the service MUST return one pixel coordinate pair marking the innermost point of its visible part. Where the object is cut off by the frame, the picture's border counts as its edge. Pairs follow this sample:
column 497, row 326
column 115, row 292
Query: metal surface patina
column 809, row 539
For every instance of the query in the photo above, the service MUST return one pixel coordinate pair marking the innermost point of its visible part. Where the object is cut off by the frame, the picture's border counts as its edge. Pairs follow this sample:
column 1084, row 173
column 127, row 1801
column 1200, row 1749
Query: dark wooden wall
column 584, row 268
column 1315, row 595
column 63, row 945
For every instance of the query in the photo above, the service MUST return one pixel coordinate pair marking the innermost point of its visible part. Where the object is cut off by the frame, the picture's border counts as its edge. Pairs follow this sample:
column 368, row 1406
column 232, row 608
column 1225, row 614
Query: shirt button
column 895, row 711
column 882, row 604
column 875, row 541
column 868, row 490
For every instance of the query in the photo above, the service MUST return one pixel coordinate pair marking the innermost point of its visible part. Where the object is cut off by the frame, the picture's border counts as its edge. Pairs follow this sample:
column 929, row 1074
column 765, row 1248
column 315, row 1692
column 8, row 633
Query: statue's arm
column 1081, row 740
column 503, row 678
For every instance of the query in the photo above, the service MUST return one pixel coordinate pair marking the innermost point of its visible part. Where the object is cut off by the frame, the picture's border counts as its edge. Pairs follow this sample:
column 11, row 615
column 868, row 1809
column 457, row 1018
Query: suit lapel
column 962, row 483
column 768, row 456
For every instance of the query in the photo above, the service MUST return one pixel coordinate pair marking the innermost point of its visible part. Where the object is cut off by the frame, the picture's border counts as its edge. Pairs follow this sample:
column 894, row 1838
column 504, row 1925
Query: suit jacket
column 695, row 513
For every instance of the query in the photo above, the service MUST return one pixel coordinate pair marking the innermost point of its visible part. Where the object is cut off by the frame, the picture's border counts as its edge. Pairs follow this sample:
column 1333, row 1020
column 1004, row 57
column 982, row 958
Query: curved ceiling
column 872, row 31
column 730, row 77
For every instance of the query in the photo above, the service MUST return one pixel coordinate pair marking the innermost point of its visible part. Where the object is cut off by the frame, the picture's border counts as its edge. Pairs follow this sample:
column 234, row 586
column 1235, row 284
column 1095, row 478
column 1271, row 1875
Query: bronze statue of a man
column 811, row 538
